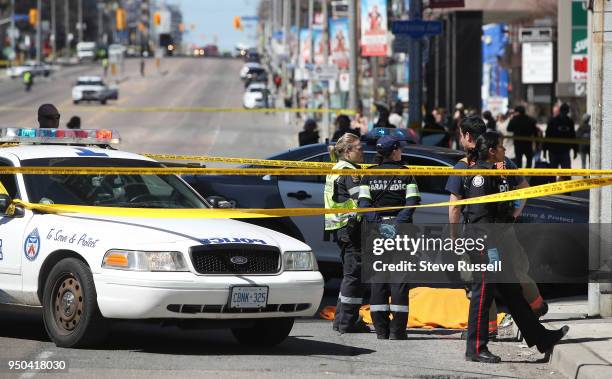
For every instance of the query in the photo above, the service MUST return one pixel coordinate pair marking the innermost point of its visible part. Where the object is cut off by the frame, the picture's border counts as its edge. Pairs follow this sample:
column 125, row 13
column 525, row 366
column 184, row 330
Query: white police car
column 84, row 269
column 93, row 88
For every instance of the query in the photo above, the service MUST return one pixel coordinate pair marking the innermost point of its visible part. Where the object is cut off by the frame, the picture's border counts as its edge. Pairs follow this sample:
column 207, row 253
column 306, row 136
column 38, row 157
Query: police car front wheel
column 70, row 308
column 265, row 332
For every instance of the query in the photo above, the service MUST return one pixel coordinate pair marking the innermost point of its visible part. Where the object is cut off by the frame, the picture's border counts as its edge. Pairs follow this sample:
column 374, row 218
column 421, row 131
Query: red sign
column 446, row 3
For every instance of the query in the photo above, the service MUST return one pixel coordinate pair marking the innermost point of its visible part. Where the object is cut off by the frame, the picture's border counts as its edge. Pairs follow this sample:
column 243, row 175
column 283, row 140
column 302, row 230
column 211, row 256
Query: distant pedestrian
column 142, row 67
column 343, row 126
column 584, row 132
column 489, row 121
column 74, row 123
column 561, row 126
column 48, row 117
column 523, row 126
column 105, row 66
column 433, row 133
column 453, row 126
column 383, row 116
column 310, row 134
column 28, row 80
column 360, row 122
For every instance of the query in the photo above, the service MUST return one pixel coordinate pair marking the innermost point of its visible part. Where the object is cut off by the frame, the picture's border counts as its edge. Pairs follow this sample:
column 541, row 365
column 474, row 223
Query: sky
column 214, row 19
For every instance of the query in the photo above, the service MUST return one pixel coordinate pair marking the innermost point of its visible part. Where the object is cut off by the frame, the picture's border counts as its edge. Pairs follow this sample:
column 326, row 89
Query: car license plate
column 248, row 297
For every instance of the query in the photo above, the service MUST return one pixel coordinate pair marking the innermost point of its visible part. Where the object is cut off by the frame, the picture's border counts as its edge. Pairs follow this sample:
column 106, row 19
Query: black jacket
column 389, row 191
column 478, row 185
column 560, row 127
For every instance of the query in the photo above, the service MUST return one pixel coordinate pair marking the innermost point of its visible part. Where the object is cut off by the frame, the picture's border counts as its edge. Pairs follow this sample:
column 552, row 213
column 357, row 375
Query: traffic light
column 181, row 27
column 238, row 23
column 33, row 16
column 121, row 18
column 157, row 18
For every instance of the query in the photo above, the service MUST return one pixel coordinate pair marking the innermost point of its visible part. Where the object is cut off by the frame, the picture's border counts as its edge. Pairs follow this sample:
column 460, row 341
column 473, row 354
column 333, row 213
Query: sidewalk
column 586, row 351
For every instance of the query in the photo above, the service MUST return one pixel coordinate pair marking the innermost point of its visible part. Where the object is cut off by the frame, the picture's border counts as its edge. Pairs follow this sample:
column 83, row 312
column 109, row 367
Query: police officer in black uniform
column 487, row 153
column 389, row 191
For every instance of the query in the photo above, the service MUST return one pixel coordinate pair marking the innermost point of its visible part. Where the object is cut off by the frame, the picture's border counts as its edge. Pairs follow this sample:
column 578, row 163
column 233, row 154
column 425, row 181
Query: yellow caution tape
column 116, row 109
column 416, row 171
column 252, row 161
column 525, row 193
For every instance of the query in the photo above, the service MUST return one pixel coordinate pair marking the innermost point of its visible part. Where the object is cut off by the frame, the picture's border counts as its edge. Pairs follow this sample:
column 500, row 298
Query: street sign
column 249, row 18
column 329, row 72
column 21, row 17
column 417, row 28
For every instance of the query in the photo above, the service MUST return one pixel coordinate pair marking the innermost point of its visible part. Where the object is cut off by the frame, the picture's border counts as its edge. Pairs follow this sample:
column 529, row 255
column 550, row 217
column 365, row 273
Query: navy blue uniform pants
column 483, row 293
column 380, row 308
column 351, row 289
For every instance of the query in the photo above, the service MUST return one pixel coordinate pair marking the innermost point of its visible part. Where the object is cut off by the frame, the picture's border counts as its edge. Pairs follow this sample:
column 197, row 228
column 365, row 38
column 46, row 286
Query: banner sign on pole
column 338, row 36
column 374, row 41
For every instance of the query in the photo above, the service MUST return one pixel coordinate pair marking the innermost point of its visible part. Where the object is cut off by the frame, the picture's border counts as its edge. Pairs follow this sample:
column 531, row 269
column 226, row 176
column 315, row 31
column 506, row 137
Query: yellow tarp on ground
column 429, row 308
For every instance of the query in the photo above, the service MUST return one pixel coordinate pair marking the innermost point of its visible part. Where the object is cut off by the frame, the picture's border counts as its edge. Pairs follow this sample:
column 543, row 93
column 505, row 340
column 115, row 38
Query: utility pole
column 353, row 85
column 13, row 31
column 38, row 30
column 100, row 7
column 416, row 85
column 80, row 16
column 286, row 30
column 67, row 26
column 311, row 52
column 298, row 27
column 327, row 133
column 53, row 31
column 600, row 199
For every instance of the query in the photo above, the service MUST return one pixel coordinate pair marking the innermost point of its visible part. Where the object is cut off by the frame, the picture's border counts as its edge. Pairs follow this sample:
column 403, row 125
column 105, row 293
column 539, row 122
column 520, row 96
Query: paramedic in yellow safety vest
column 342, row 191
column 380, row 191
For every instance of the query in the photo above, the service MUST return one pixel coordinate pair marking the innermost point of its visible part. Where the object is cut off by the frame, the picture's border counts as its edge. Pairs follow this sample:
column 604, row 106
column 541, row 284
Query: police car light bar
column 59, row 136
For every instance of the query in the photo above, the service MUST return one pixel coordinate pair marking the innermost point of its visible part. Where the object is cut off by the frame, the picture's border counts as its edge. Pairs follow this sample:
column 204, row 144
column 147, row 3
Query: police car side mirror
column 220, row 202
column 5, row 201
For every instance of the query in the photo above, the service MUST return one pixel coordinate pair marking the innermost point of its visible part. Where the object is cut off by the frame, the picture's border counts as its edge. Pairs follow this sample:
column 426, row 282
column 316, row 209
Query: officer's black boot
column 484, row 356
column 381, row 324
column 398, row 326
column 551, row 338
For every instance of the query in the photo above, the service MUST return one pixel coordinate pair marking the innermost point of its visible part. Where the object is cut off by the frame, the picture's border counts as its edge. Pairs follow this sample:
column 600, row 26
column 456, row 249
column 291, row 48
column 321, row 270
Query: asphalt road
column 312, row 351
column 178, row 83
column 150, row 351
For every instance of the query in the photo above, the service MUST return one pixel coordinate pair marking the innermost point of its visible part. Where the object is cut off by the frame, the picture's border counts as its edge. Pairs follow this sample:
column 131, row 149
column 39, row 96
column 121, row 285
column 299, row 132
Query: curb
column 574, row 360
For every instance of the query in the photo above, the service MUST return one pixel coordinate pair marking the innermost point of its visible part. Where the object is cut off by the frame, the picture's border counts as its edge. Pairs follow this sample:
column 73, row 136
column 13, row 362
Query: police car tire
column 92, row 328
column 266, row 332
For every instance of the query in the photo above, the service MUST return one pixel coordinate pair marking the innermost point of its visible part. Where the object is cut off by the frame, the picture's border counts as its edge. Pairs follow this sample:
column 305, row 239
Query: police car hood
column 141, row 233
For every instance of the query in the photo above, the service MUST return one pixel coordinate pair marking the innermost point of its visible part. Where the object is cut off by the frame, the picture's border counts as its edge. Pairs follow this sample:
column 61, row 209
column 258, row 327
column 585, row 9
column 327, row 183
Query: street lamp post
column 80, row 15
column 53, row 31
column 353, row 85
column 67, row 26
column 13, row 30
column 38, row 30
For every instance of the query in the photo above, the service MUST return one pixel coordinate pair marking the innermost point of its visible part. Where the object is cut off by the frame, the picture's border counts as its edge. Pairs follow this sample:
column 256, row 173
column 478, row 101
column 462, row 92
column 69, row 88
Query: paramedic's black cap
column 386, row 144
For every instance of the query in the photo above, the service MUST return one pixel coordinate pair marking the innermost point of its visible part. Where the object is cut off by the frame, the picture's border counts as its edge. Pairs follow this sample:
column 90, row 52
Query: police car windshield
column 131, row 191
column 90, row 83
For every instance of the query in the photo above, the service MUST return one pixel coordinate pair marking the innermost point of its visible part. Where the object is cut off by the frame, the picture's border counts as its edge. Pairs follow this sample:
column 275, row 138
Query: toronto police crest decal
column 478, row 181
column 31, row 247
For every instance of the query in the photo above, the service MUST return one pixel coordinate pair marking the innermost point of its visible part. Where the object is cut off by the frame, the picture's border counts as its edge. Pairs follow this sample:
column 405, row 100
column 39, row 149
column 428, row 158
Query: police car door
column 432, row 191
column 307, row 192
column 12, row 231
